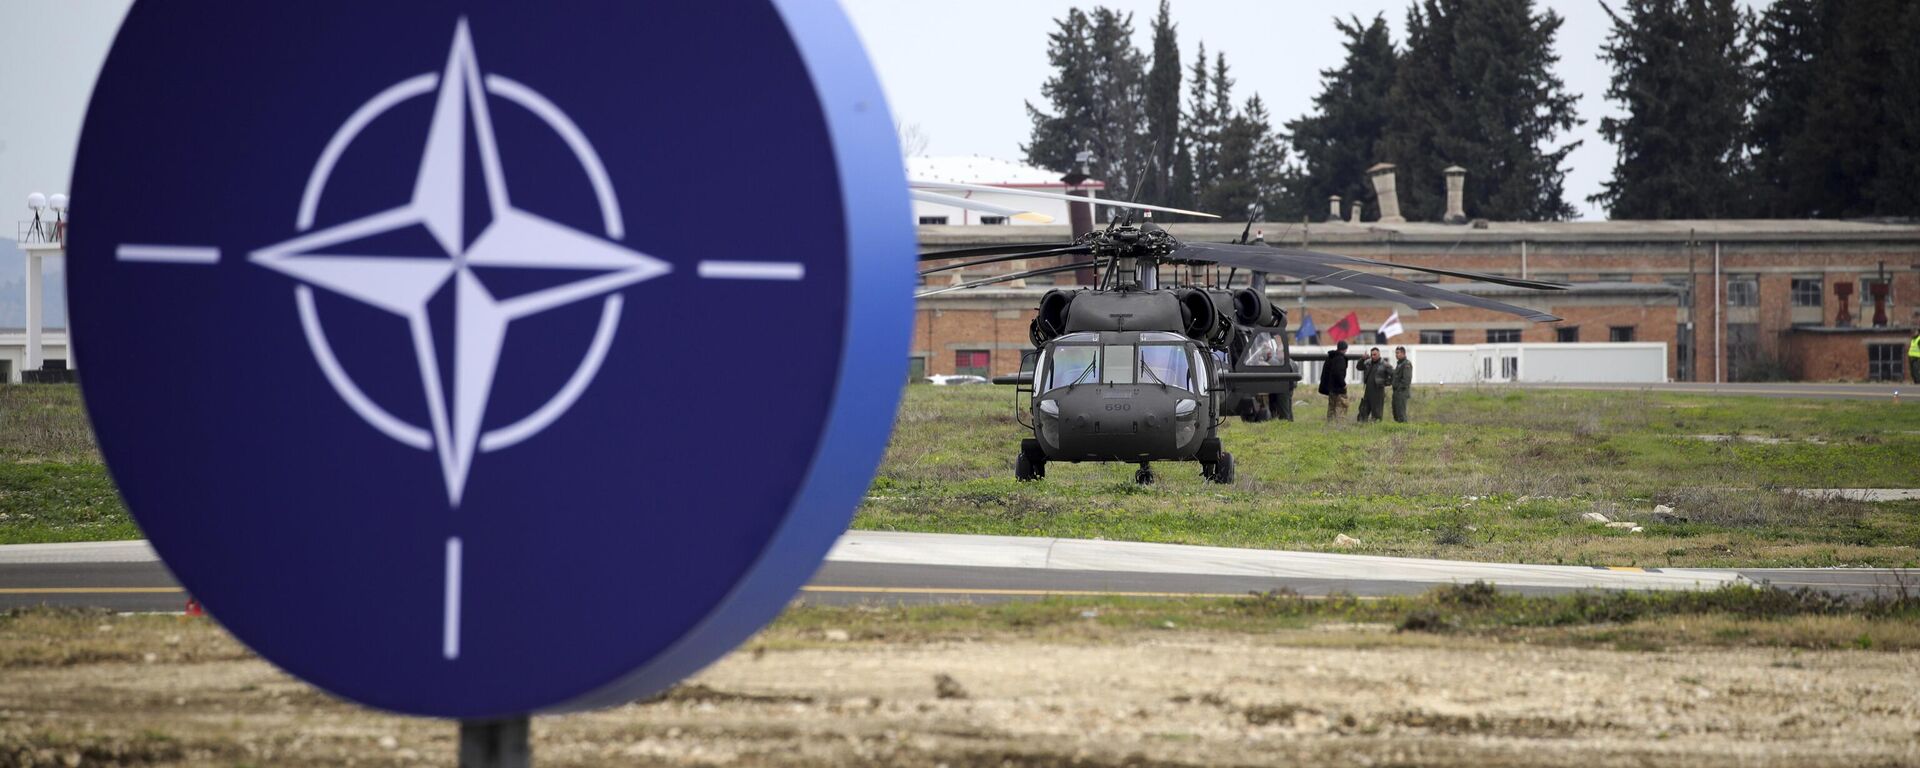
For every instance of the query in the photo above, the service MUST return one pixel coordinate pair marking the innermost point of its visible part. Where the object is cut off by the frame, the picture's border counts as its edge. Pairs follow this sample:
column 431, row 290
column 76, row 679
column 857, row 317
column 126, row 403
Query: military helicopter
column 1138, row 370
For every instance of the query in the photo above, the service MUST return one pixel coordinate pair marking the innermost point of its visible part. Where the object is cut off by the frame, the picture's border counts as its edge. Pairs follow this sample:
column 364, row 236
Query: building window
column 1883, row 361
column 1615, row 277
column 1807, row 291
column 930, row 220
column 1503, row 335
column 6, row 371
column 1743, row 292
column 1620, row 333
column 972, row 362
column 1566, row 334
column 1436, row 337
column 993, row 219
column 1685, row 284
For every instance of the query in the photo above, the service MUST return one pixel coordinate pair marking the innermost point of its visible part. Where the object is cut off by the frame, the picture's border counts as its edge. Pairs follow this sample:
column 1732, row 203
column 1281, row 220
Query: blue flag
column 1307, row 331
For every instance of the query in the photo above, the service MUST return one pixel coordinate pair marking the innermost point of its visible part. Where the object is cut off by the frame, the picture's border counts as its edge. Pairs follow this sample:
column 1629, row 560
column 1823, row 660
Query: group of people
column 1376, row 375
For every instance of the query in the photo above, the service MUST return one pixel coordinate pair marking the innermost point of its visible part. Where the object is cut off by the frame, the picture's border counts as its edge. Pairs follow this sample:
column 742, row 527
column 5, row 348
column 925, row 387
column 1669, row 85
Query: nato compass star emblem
column 334, row 259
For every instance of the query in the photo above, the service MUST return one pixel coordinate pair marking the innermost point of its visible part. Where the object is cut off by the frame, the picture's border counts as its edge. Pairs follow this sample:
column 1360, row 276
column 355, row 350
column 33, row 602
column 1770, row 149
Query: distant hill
column 13, row 289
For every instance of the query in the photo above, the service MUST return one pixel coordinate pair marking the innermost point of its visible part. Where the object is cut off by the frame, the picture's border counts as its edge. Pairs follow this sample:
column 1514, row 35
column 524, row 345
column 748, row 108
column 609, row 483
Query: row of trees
column 1808, row 109
column 1124, row 108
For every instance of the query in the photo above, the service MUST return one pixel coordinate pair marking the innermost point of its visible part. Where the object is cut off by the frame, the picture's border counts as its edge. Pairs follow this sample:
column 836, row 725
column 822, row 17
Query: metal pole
column 495, row 743
column 1719, row 350
column 36, row 306
column 1523, row 259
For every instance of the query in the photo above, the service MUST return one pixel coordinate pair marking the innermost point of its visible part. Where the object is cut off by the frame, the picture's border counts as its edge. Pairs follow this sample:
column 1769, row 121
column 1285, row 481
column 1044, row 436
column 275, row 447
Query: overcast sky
column 959, row 69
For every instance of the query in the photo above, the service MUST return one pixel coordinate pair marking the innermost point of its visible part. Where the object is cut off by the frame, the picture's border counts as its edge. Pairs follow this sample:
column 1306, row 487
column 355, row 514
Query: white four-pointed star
column 404, row 285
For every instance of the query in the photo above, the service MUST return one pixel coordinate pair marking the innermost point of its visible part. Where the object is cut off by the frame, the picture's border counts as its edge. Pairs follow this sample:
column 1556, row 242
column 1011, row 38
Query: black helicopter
column 1133, row 370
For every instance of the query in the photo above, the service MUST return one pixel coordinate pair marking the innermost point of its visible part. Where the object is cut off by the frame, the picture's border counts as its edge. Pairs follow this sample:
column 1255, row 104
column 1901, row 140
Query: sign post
column 430, row 357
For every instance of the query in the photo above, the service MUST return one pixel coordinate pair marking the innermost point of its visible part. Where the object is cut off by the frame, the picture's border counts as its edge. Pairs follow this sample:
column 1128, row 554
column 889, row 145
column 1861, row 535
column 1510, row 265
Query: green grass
column 1733, row 616
column 1485, row 474
column 52, row 484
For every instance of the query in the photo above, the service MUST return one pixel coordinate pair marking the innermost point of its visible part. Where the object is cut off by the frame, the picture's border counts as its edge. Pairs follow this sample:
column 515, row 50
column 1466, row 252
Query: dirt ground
column 171, row 691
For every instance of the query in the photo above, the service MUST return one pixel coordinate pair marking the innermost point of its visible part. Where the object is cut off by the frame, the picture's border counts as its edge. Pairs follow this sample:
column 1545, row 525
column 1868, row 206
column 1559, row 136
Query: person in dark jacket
column 1333, row 382
column 1402, row 383
column 1375, row 375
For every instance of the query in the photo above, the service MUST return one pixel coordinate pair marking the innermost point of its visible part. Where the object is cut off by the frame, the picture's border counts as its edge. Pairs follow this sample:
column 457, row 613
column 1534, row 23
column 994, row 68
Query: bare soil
column 175, row 692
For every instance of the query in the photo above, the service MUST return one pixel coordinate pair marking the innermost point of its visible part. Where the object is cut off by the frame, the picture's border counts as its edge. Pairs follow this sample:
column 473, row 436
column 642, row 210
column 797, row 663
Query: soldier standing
column 1402, row 383
column 1333, row 382
column 1376, row 377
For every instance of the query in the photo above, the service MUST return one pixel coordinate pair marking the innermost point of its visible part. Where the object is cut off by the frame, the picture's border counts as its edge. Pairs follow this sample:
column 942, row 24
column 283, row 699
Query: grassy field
column 1482, row 474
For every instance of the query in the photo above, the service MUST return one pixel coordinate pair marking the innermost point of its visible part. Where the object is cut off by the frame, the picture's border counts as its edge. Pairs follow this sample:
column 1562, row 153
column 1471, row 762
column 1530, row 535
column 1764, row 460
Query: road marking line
column 89, row 590
column 752, row 270
column 1036, row 592
column 168, row 254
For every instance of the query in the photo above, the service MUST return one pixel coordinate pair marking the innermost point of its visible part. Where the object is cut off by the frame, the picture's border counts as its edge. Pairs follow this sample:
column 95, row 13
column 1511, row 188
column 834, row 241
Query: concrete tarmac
column 1884, row 391
column 869, row 566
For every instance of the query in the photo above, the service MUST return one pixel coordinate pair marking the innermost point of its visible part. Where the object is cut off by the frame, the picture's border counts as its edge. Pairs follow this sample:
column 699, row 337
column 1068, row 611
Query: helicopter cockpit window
column 1117, row 364
column 1166, row 364
column 1069, row 365
column 1264, row 350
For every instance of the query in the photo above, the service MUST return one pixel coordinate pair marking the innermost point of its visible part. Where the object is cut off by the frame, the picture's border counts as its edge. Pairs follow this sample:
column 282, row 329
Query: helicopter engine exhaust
column 1254, row 309
column 1051, row 320
column 1200, row 318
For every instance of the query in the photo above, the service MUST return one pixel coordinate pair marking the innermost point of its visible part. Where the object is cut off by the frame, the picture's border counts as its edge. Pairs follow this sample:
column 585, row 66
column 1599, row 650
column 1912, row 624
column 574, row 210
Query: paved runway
column 908, row 567
column 1825, row 391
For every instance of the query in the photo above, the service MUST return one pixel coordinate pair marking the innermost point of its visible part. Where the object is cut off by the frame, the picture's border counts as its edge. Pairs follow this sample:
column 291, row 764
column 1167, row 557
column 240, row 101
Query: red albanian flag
column 1347, row 328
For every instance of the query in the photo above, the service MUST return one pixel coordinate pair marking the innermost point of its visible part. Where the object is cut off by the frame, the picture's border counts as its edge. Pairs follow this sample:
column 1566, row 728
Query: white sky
column 959, row 69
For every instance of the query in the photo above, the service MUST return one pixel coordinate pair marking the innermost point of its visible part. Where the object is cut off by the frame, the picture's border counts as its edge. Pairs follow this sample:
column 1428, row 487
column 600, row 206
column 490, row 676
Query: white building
column 13, row 353
column 33, row 348
column 987, row 171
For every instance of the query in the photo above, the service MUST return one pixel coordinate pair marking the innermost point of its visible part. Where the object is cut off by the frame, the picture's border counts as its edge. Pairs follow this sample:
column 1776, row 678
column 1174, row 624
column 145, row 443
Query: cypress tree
column 1340, row 140
column 1201, row 131
column 1163, row 109
column 1679, row 68
column 1791, row 39
column 1476, row 88
column 1098, row 97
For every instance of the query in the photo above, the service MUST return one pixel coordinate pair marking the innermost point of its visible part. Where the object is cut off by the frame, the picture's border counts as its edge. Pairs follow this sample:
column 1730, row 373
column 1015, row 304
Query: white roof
column 993, row 172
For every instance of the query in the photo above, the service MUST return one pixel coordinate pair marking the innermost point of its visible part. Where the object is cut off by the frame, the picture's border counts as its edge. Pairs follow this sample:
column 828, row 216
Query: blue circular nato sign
column 475, row 359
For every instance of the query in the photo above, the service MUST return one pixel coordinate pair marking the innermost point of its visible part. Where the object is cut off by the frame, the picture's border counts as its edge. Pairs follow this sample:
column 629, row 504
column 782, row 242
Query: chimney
column 1353, row 212
column 1333, row 208
column 1387, row 193
column 1456, row 195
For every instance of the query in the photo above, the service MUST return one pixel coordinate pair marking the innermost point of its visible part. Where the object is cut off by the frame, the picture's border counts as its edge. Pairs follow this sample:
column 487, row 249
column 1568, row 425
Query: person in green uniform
column 1913, row 358
column 1402, row 383
column 1375, row 376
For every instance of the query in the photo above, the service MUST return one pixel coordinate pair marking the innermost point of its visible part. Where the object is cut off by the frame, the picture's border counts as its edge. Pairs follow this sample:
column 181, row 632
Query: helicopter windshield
column 1166, row 364
column 1117, row 364
column 1071, row 364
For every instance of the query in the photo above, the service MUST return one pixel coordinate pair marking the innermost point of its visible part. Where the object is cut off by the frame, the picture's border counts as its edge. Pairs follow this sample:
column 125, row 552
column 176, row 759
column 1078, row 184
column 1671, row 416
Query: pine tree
column 1679, row 68
column 1163, row 109
column 1791, row 40
column 1098, row 97
column 1476, row 88
column 1341, row 139
column 1202, row 129
column 1253, row 173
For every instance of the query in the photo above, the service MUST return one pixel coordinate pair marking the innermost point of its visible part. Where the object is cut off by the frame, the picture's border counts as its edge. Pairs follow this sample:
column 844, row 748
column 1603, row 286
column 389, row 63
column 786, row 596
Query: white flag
column 1391, row 327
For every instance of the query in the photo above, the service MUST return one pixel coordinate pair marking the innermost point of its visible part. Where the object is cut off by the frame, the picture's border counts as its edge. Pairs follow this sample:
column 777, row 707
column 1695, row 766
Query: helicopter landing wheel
column 1143, row 475
column 1028, row 470
column 1222, row 470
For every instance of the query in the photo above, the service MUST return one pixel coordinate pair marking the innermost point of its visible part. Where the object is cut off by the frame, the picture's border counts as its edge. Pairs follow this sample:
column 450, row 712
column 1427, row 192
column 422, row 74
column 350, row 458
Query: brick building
column 1733, row 299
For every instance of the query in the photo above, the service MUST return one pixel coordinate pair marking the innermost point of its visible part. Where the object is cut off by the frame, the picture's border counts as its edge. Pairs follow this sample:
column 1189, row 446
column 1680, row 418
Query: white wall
column 13, row 350
column 1583, row 363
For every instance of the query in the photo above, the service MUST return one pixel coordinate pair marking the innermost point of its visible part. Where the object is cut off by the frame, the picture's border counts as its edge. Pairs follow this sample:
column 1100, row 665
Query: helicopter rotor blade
column 1069, row 250
column 1334, row 270
column 957, row 187
column 980, row 205
column 991, row 250
column 1010, row 276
